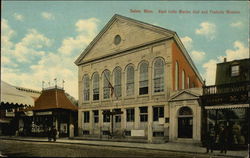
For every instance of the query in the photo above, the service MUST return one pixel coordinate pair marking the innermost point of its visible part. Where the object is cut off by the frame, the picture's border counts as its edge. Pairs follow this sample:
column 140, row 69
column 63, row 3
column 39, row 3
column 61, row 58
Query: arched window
column 95, row 86
column 183, row 79
column 117, row 82
column 85, row 87
column 106, row 84
column 130, row 80
column 176, row 75
column 143, row 85
column 188, row 82
column 185, row 111
column 159, row 75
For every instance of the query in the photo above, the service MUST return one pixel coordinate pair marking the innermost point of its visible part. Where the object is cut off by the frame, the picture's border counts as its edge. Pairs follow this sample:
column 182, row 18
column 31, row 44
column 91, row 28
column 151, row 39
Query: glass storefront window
column 236, row 122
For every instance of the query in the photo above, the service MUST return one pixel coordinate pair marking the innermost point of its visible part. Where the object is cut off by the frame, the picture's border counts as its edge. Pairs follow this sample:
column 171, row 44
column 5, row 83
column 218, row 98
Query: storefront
column 235, row 118
column 52, row 108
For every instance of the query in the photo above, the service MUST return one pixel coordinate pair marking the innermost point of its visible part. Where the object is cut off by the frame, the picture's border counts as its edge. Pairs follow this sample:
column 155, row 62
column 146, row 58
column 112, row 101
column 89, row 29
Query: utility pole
column 112, row 113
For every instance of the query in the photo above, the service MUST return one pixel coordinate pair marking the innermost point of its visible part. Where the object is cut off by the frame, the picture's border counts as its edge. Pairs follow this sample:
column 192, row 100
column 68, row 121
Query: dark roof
column 223, row 72
column 53, row 99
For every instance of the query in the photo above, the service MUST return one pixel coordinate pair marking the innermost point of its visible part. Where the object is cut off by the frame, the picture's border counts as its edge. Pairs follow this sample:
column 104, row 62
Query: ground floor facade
column 156, row 122
column 38, row 123
column 235, row 118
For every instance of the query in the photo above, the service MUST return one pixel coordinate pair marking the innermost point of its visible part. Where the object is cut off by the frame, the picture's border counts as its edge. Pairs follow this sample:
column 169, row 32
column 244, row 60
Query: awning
column 5, row 120
column 228, row 106
column 10, row 95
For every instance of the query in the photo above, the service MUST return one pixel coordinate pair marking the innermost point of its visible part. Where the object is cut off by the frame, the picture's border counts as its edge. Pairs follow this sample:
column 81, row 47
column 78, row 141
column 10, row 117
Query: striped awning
column 228, row 106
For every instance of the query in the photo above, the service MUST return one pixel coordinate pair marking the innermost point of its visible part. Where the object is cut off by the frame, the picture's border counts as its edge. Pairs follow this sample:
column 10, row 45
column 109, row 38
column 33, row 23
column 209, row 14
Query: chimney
column 225, row 60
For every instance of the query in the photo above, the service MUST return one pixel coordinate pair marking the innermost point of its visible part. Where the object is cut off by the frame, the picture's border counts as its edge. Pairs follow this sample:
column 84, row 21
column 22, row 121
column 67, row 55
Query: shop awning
column 10, row 95
column 229, row 106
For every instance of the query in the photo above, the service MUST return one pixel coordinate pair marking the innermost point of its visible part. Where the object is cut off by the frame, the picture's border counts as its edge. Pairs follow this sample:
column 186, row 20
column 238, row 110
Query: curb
column 122, row 146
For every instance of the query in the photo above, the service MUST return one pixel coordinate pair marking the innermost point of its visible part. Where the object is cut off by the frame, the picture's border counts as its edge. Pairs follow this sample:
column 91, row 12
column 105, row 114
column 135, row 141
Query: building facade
column 226, row 104
column 126, row 77
column 52, row 108
column 12, row 100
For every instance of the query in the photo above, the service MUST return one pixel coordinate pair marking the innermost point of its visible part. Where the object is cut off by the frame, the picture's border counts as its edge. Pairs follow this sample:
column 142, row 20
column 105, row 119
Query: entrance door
column 185, row 123
column 185, row 128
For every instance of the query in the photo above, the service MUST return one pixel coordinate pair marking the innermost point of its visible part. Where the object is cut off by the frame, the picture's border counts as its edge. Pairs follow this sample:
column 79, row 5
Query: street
column 14, row 148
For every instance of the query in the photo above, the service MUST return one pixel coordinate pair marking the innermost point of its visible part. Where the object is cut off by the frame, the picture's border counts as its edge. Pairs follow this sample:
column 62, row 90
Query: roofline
column 27, row 89
column 104, row 29
column 187, row 56
column 110, row 22
column 236, row 60
column 127, row 50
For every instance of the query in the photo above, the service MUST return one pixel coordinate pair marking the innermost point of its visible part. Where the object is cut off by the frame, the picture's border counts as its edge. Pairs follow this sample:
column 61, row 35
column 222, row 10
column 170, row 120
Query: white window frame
column 86, row 87
column 130, row 82
column 159, row 75
column 96, row 89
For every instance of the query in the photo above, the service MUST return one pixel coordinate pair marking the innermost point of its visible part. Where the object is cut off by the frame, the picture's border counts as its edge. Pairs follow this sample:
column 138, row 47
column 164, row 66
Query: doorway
column 185, row 123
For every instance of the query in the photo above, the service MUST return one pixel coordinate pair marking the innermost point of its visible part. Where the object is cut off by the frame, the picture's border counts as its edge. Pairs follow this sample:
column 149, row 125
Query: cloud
column 197, row 55
column 236, row 24
column 88, row 26
column 187, row 41
column 6, row 34
column 30, row 46
column 47, row 15
column 210, row 71
column 50, row 65
column 240, row 51
column 87, row 29
column 18, row 17
column 207, row 29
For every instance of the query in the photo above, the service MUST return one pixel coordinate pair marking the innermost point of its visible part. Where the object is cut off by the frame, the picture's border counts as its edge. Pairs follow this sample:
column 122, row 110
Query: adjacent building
column 12, row 100
column 227, row 102
column 135, row 80
column 52, row 108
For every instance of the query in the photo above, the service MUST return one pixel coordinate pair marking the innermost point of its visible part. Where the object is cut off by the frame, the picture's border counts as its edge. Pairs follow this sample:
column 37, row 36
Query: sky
column 40, row 40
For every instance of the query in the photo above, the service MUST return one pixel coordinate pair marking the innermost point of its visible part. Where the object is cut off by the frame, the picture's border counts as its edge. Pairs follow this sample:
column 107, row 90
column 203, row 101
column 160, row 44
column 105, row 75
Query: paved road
column 16, row 148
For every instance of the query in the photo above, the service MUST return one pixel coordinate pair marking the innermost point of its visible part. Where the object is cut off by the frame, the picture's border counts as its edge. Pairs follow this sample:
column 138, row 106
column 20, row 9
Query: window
column 159, row 75
column 106, row 117
column 96, row 116
column 183, row 79
column 176, row 75
column 130, row 115
column 117, row 116
column 130, row 80
column 158, row 134
column 85, row 87
column 235, row 70
column 117, row 39
column 127, row 133
column 95, row 86
column 86, row 116
column 143, row 79
column 117, row 83
column 106, row 87
column 188, row 82
column 85, row 132
column 158, row 112
column 143, row 114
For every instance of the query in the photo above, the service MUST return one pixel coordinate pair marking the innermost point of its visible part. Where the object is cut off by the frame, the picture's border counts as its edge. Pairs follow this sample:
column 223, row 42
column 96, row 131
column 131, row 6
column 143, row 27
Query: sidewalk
column 170, row 146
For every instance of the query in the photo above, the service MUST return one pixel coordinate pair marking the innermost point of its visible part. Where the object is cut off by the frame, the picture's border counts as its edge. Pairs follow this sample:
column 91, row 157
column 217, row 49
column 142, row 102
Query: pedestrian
column 223, row 139
column 49, row 132
column 54, row 133
column 210, row 139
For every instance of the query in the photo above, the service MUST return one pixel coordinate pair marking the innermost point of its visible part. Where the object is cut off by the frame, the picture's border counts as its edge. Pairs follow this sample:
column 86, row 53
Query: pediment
column 184, row 95
column 132, row 34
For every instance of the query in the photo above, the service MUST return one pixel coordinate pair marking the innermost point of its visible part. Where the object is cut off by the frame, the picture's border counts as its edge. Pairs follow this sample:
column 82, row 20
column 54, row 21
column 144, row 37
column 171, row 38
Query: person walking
column 54, row 133
column 210, row 139
column 49, row 134
column 223, row 136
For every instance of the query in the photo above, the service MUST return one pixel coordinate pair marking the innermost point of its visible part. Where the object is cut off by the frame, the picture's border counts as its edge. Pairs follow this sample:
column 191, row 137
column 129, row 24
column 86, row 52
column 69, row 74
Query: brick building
column 128, row 75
